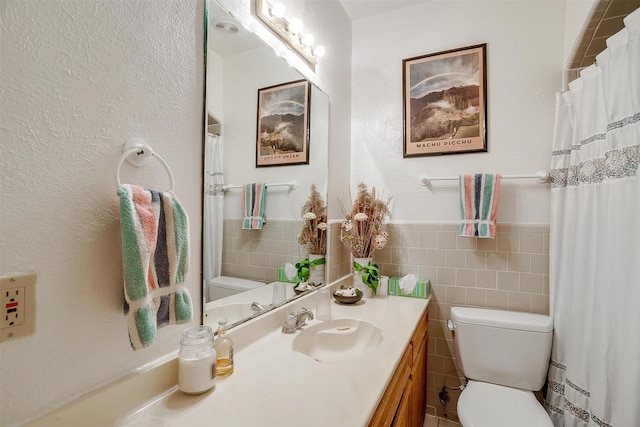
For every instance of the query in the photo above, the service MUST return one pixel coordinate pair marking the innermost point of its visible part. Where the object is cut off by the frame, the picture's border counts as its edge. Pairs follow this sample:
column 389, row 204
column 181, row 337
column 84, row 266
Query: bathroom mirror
column 240, row 266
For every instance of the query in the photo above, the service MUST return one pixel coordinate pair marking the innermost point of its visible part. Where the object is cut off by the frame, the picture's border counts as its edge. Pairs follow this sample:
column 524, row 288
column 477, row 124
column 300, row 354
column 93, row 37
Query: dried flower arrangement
column 314, row 229
column 362, row 231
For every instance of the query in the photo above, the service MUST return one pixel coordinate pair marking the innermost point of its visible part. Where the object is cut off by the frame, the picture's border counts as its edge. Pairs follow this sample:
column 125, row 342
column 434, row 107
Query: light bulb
column 319, row 51
column 295, row 26
column 308, row 40
column 278, row 10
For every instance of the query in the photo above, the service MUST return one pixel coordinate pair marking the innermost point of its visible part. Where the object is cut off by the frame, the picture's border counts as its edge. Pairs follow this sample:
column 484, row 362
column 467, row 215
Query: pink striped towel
column 479, row 196
column 155, row 259
column 254, row 202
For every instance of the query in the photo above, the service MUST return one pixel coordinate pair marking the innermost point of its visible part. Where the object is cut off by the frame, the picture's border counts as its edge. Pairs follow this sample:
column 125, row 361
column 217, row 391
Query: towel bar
column 541, row 176
column 142, row 152
column 291, row 184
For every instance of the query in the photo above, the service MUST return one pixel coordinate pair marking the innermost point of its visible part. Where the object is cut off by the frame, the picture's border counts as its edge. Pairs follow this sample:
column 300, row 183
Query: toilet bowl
column 504, row 355
column 224, row 286
column 485, row 404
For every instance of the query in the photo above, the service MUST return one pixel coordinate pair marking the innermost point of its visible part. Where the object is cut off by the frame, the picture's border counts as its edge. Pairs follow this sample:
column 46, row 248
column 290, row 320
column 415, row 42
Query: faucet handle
column 303, row 310
column 290, row 323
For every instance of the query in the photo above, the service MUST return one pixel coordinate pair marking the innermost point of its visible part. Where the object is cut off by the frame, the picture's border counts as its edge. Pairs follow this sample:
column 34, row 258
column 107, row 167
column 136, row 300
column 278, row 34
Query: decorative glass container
column 197, row 360
column 224, row 350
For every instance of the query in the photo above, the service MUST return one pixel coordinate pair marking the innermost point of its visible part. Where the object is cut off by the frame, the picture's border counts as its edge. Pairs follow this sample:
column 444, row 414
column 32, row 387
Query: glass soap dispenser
column 224, row 350
column 197, row 360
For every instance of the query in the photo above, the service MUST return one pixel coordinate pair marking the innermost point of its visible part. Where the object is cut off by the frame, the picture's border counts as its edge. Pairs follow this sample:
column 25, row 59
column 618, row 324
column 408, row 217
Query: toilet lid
column 490, row 405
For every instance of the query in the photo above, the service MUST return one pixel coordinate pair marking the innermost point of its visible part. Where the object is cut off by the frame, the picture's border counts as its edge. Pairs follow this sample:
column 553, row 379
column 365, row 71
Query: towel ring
column 142, row 153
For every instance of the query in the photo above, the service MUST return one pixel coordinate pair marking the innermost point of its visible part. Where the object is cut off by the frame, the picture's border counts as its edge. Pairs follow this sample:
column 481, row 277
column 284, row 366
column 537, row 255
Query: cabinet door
column 419, row 388
column 405, row 410
column 390, row 402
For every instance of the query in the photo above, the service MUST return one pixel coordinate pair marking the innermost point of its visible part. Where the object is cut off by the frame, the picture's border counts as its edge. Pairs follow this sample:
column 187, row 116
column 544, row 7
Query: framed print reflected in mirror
column 283, row 124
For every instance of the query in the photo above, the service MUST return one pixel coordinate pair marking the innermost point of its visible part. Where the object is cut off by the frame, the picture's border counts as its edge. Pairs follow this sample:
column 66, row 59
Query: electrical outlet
column 17, row 305
column 12, row 307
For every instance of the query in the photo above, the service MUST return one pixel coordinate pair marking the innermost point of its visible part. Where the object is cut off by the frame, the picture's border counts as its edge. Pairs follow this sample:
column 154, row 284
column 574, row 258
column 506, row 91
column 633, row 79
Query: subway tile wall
column 510, row 272
column 256, row 254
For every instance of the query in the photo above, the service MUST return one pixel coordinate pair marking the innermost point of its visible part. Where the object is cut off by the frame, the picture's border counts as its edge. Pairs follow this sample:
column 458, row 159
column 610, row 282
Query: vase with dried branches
column 362, row 233
column 313, row 237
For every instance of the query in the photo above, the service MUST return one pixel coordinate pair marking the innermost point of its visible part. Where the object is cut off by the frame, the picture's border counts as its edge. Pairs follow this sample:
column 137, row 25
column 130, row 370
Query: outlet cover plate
column 26, row 284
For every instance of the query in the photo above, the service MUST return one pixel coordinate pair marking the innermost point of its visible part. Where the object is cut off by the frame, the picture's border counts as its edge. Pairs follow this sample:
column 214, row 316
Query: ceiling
column 225, row 42
column 358, row 9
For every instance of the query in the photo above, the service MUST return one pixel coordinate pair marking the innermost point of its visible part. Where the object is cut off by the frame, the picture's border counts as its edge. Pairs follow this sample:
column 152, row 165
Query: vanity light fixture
column 307, row 40
column 289, row 31
column 295, row 26
column 278, row 10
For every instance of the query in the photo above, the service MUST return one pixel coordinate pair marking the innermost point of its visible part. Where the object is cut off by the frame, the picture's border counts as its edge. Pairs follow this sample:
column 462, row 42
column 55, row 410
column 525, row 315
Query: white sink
column 338, row 339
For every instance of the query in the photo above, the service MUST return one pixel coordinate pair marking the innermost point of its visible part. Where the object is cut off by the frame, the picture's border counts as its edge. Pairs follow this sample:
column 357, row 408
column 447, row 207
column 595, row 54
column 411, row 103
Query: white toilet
column 505, row 356
column 224, row 286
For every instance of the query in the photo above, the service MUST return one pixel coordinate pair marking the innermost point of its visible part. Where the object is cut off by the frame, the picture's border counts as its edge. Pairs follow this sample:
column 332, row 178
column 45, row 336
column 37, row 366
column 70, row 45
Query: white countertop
column 271, row 385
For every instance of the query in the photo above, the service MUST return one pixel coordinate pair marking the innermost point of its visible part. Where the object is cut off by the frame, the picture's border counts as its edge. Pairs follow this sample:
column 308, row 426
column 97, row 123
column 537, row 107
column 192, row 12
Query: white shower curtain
column 594, row 375
column 213, row 210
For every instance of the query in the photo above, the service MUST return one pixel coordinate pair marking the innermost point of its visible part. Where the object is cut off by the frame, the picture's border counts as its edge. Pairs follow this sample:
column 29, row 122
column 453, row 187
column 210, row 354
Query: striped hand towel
column 155, row 259
column 479, row 195
column 255, row 199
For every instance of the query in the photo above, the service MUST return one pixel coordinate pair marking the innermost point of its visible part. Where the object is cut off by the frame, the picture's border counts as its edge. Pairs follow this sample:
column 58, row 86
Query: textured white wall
column 83, row 77
column 525, row 57
column 78, row 79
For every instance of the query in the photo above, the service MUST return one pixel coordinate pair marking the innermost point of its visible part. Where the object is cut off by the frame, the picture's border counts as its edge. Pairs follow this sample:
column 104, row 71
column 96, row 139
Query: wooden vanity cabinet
column 405, row 411
column 403, row 403
column 419, row 373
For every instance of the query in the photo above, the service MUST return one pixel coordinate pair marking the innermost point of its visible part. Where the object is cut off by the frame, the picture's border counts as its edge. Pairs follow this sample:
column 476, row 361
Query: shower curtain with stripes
column 594, row 374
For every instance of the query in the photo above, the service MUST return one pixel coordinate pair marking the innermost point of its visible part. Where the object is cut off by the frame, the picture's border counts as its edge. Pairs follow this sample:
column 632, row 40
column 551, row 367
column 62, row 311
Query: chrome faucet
column 257, row 307
column 296, row 321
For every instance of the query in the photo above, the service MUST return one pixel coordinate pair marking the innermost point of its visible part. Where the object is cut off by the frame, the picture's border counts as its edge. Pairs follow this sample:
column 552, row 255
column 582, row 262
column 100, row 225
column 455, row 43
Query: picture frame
column 283, row 124
column 445, row 102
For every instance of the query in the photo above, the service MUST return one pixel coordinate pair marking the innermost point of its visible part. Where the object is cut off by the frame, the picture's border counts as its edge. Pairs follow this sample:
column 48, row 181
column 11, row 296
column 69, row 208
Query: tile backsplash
column 256, row 254
column 510, row 272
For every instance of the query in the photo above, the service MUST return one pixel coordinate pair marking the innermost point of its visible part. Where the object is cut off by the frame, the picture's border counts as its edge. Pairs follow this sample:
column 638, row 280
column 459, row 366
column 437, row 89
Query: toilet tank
column 502, row 347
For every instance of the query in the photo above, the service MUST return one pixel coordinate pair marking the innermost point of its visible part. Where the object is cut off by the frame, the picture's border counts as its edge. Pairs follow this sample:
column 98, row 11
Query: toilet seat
column 490, row 405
